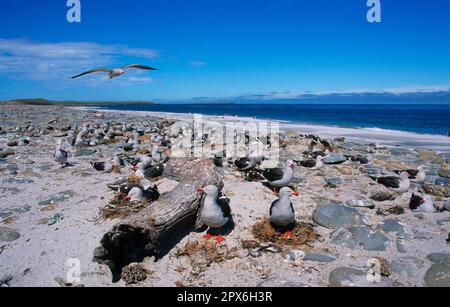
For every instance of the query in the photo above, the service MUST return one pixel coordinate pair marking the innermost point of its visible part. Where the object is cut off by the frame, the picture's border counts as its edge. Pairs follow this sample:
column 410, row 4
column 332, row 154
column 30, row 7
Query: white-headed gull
column 282, row 213
column 115, row 72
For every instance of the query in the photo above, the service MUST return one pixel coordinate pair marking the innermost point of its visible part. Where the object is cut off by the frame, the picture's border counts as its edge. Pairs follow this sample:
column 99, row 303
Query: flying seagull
column 115, row 72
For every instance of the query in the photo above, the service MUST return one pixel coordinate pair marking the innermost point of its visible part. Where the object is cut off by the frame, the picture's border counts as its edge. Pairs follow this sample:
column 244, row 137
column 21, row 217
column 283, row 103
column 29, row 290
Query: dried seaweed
column 134, row 274
column 118, row 208
column 302, row 234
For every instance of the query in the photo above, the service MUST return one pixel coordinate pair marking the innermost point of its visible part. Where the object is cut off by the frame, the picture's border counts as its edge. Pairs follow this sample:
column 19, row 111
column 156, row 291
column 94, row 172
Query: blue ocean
column 425, row 119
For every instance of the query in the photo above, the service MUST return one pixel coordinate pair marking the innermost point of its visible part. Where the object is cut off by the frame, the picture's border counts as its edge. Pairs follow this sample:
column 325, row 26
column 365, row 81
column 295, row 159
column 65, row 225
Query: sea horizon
column 433, row 119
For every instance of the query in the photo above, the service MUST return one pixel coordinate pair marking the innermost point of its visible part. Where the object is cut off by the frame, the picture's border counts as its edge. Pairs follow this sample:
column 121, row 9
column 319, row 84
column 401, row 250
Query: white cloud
column 197, row 63
column 24, row 59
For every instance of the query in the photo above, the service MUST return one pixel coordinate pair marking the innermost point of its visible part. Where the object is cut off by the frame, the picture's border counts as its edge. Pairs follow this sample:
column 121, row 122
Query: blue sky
column 216, row 49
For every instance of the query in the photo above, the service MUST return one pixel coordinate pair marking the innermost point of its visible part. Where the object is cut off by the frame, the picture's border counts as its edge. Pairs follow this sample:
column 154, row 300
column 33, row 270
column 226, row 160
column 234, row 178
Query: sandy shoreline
column 386, row 137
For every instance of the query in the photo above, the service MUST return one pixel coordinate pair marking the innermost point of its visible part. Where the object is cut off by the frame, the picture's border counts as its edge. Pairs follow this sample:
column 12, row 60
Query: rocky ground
column 50, row 215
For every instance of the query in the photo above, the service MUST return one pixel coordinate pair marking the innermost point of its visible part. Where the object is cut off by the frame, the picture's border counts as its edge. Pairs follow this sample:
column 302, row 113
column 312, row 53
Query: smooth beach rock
column 56, row 198
column 363, row 237
column 334, row 159
column 400, row 246
column 438, row 276
column 318, row 257
column 336, row 216
column 6, row 153
column 374, row 172
column 333, row 182
column 8, row 235
column 360, row 203
column 394, row 226
column 443, row 182
column 439, row 258
column 447, row 205
column 350, row 277
column 399, row 151
column 7, row 212
column 442, row 222
column 409, row 266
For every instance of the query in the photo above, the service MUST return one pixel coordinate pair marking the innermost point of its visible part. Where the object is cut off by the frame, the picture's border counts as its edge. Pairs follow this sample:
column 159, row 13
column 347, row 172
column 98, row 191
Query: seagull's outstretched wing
column 93, row 71
column 138, row 66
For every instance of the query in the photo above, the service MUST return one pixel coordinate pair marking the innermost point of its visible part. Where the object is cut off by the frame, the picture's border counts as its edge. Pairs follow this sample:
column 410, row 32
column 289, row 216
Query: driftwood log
column 158, row 228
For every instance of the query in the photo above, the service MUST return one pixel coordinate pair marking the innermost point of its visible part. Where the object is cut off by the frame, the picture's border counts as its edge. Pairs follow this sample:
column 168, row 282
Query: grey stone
column 334, row 159
column 360, row 203
column 374, row 172
column 318, row 257
column 336, row 216
column 409, row 266
column 447, row 205
column 56, row 198
column 364, row 237
column 7, row 212
column 350, row 277
column 442, row 222
column 86, row 152
column 438, row 276
column 299, row 179
column 443, row 182
column 381, row 193
column 401, row 247
column 333, row 182
column 399, row 151
column 439, row 258
column 8, row 235
column 394, row 226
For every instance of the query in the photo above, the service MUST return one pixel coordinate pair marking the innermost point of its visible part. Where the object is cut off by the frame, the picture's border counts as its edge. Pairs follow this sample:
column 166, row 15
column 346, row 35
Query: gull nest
column 118, row 208
column 134, row 274
column 203, row 253
column 302, row 234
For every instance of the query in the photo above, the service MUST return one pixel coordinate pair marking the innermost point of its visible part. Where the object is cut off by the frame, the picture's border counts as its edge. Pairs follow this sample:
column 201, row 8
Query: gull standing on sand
column 216, row 211
column 60, row 155
column 282, row 213
column 115, row 72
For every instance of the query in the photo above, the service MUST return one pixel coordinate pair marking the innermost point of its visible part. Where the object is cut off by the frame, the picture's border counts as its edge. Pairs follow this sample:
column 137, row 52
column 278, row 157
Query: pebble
column 360, row 203
column 8, row 235
column 439, row 258
column 58, row 197
column 350, row 277
column 7, row 212
column 333, row 182
column 334, row 159
column 358, row 236
column 443, row 182
column 336, row 216
column 318, row 257
column 409, row 266
column 438, row 276
column 394, row 226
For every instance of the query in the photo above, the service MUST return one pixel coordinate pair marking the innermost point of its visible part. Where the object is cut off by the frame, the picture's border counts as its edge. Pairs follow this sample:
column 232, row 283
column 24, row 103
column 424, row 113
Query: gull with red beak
column 397, row 184
column 422, row 204
column 216, row 212
column 282, row 213
column 312, row 164
column 280, row 177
